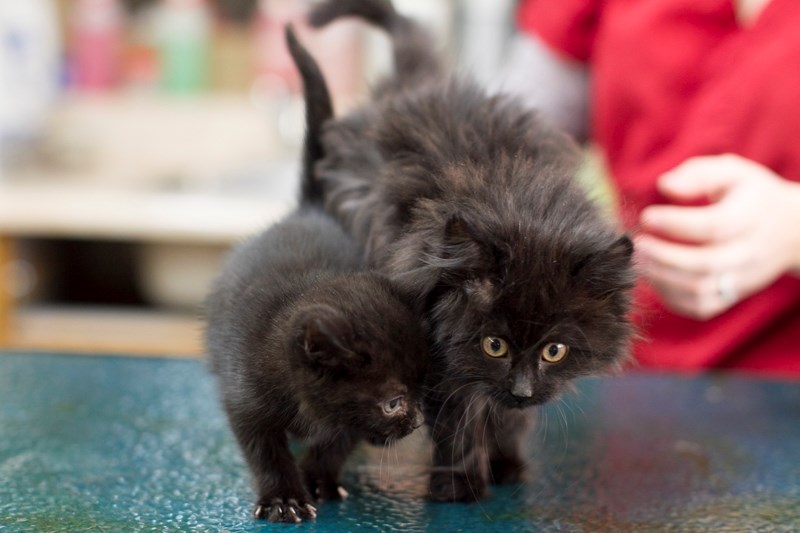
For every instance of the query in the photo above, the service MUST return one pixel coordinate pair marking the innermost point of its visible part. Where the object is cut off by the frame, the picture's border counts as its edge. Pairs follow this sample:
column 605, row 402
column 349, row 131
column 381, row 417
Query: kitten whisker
column 476, row 456
column 446, row 381
column 586, row 338
column 435, row 425
column 486, row 421
column 546, row 424
column 381, row 477
column 395, row 445
column 460, row 428
column 565, row 432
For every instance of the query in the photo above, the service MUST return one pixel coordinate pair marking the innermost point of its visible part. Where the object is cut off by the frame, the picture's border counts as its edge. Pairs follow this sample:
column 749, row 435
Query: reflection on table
column 130, row 444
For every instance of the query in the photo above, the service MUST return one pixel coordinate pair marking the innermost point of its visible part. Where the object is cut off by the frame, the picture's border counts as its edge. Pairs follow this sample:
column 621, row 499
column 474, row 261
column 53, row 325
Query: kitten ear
column 621, row 250
column 324, row 337
column 456, row 230
column 609, row 267
column 620, row 253
column 623, row 246
column 481, row 292
column 466, row 255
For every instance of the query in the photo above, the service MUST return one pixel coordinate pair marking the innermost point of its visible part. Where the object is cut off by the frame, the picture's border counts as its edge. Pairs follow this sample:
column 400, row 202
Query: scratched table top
column 124, row 444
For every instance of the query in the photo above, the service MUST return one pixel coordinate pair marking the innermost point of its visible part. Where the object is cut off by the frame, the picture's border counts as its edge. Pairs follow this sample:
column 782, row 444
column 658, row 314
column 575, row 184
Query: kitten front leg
column 322, row 464
column 507, row 433
column 460, row 463
column 281, row 494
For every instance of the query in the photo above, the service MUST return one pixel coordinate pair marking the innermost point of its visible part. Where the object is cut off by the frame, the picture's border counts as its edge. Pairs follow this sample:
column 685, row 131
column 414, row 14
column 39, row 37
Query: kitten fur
column 470, row 202
column 306, row 343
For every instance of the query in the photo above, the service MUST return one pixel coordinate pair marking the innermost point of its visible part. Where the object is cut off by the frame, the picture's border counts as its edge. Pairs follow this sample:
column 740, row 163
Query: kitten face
column 529, row 320
column 384, row 410
column 362, row 367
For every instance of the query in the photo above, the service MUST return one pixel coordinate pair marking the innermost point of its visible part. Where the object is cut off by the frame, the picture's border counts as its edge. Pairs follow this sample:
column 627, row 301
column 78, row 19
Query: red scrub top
column 672, row 79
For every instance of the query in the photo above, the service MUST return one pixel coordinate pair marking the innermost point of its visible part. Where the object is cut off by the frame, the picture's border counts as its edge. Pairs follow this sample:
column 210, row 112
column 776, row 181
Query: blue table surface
column 124, row 444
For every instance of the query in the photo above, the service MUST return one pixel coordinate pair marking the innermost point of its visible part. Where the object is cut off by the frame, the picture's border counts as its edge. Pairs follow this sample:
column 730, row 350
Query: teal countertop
column 123, row 444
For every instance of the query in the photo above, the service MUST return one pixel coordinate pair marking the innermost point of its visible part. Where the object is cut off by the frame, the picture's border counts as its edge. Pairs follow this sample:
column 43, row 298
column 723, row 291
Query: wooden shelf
column 106, row 331
column 91, row 212
column 169, row 174
column 206, row 169
column 6, row 303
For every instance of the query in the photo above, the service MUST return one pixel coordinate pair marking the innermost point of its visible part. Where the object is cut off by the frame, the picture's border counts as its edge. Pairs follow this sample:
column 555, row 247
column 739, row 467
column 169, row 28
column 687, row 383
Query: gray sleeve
column 551, row 83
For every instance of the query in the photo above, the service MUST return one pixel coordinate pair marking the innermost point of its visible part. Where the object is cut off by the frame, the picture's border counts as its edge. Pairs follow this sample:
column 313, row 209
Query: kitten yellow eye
column 495, row 346
column 555, row 352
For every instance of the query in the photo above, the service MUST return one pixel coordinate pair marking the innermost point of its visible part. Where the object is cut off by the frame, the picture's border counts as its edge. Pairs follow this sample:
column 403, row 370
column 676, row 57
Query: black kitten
column 306, row 343
column 471, row 203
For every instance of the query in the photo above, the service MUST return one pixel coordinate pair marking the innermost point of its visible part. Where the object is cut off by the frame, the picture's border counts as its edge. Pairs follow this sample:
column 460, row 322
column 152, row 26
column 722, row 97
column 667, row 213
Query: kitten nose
column 522, row 386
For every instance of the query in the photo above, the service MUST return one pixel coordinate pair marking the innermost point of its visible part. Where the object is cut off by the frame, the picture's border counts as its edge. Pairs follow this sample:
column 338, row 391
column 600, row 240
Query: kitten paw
column 285, row 510
column 331, row 493
column 327, row 490
column 507, row 472
column 455, row 487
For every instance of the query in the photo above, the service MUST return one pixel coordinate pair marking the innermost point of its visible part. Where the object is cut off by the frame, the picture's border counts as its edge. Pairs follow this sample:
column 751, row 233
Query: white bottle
column 30, row 66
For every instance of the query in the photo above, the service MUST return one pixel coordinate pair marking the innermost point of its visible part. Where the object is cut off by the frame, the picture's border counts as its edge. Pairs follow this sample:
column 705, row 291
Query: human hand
column 704, row 259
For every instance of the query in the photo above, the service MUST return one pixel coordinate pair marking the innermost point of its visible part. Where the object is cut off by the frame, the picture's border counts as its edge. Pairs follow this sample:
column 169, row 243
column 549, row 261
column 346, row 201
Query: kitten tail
column 319, row 109
column 413, row 46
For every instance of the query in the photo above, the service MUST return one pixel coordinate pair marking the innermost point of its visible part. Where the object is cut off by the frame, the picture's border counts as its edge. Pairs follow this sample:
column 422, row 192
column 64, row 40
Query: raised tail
column 413, row 46
column 319, row 109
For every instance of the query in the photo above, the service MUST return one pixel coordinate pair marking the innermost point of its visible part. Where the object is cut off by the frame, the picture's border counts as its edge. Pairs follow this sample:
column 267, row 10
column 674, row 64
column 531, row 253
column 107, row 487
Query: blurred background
column 140, row 139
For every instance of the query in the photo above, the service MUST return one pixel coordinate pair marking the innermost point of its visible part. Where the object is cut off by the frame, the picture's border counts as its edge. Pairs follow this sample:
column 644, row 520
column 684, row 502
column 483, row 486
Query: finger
column 710, row 259
column 691, row 296
column 701, row 178
column 679, row 283
column 715, row 223
column 690, row 308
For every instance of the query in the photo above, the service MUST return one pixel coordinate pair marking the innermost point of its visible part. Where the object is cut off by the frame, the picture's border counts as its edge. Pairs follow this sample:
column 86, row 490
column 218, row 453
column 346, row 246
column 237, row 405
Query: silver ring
column 725, row 288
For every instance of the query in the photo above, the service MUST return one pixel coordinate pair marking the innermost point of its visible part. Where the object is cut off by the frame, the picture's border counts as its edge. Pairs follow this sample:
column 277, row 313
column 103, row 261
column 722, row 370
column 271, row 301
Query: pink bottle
column 274, row 66
column 337, row 50
column 95, row 43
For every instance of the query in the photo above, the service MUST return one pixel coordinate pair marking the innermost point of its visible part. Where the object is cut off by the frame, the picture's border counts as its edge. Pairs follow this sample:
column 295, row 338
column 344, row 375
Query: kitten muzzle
column 517, row 402
column 522, row 385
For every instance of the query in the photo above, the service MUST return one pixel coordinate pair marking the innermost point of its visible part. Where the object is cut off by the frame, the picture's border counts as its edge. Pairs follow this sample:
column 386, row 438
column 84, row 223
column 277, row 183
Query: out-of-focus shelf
column 107, row 331
column 5, row 297
column 183, row 178
column 81, row 211
column 201, row 169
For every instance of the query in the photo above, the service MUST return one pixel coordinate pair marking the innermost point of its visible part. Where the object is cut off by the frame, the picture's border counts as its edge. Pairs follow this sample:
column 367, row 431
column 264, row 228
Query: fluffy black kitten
column 305, row 343
column 471, row 203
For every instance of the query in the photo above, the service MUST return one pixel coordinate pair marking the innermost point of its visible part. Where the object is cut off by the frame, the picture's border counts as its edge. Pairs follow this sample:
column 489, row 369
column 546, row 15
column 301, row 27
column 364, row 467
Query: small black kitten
column 470, row 202
column 305, row 342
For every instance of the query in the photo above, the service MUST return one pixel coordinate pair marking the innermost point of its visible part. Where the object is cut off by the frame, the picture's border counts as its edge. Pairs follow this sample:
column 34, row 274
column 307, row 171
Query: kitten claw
column 326, row 490
column 332, row 493
column 275, row 515
column 293, row 515
column 311, row 510
column 285, row 510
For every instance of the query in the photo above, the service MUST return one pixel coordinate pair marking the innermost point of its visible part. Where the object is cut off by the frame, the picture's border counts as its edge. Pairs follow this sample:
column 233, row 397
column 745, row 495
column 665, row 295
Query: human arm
column 548, row 60
column 547, row 81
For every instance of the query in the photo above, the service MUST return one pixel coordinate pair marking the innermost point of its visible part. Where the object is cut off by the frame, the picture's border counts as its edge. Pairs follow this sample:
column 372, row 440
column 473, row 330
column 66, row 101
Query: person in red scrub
column 695, row 106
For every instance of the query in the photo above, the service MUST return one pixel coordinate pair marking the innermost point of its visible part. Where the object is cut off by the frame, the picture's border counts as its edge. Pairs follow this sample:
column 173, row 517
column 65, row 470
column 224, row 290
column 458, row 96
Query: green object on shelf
column 184, row 65
column 183, row 29
column 123, row 444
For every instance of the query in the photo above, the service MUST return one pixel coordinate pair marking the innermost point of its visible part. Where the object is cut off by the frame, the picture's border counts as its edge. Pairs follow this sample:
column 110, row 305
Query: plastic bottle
column 184, row 28
column 30, row 66
column 95, row 44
